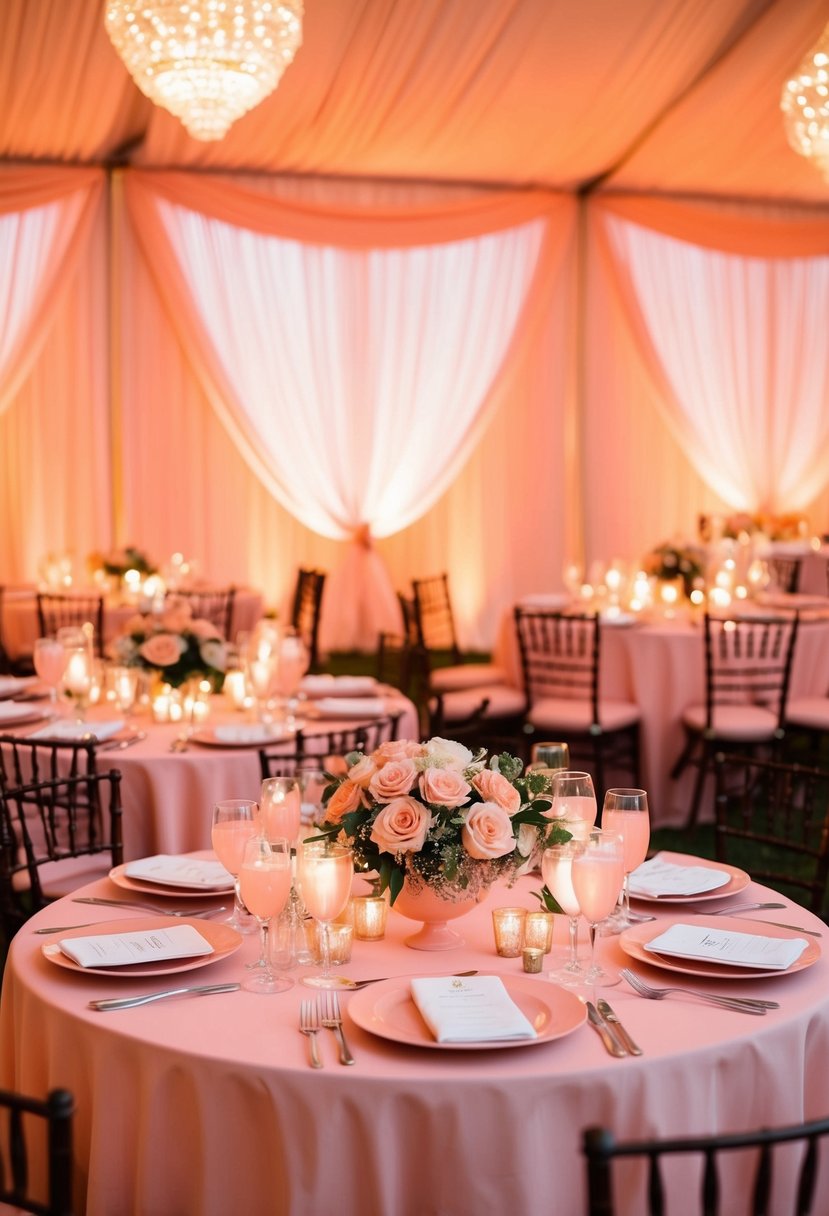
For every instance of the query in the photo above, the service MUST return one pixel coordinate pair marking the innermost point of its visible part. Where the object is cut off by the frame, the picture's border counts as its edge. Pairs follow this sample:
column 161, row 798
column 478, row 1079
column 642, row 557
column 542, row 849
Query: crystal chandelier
column 206, row 61
column 805, row 106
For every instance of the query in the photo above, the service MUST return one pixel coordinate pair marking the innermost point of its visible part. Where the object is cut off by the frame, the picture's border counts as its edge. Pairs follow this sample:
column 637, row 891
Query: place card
column 469, row 1010
column 657, row 877
column 727, row 947
column 124, row 949
column 180, row 872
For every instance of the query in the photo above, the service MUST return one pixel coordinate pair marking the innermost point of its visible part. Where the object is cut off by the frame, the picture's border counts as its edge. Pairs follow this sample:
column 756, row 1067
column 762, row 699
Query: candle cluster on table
column 189, row 704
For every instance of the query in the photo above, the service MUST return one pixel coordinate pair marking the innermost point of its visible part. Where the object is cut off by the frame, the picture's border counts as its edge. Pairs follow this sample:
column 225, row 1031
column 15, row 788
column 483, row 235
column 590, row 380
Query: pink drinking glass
column 265, row 883
column 50, row 660
column 598, row 873
column 324, row 872
column 625, row 811
column 235, row 821
column 557, row 872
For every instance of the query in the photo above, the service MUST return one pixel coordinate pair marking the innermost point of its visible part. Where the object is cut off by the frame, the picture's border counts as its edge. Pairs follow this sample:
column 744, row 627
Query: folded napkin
column 727, row 947
column 475, row 1010
column 338, row 686
column 350, row 707
column 12, row 711
column 10, row 686
column 180, row 872
column 251, row 732
column 124, row 949
column 657, row 877
column 78, row 730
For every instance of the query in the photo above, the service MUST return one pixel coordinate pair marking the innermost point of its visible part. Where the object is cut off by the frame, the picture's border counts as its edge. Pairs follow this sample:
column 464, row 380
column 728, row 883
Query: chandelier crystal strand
column 206, row 61
column 805, row 105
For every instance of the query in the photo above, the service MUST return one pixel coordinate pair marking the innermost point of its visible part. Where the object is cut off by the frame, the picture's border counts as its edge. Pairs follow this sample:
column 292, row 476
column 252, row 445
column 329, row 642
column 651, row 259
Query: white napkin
column 350, row 707
column 338, row 686
column 10, row 686
column 77, row 730
column 123, row 949
column 657, row 877
column 12, row 711
column 474, row 1010
column 253, row 732
column 727, row 947
column 180, row 872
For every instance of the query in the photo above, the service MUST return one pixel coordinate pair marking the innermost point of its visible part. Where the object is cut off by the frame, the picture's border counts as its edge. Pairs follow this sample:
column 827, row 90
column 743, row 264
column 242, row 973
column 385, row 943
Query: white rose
column 448, row 754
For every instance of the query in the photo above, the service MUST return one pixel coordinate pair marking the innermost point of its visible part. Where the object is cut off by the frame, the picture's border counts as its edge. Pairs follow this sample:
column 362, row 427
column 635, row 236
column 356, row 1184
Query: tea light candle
column 370, row 913
column 533, row 959
column 508, row 926
column 538, row 931
column 235, row 688
column 77, row 675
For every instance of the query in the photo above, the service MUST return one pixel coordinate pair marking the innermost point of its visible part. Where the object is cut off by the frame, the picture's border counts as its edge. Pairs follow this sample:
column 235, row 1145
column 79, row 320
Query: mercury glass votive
column 508, row 927
column 538, row 931
column 340, row 938
column 533, row 959
column 370, row 914
column 550, row 755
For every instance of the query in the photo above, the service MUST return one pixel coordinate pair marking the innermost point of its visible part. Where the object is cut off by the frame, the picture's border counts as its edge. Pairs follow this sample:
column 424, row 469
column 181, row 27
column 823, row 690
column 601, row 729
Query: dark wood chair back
column 305, row 612
column 785, row 573
column 55, row 611
column 56, row 1116
column 215, row 605
column 323, row 748
column 559, row 656
column 434, row 621
column 748, row 661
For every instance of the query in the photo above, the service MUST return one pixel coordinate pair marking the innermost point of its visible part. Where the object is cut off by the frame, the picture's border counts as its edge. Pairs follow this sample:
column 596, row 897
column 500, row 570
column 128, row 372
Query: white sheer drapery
column 736, row 344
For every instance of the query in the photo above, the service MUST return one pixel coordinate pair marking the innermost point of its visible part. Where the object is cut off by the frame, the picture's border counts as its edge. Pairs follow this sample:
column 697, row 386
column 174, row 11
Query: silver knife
column 615, row 1025
column 604, row 1031
column 130, row 1002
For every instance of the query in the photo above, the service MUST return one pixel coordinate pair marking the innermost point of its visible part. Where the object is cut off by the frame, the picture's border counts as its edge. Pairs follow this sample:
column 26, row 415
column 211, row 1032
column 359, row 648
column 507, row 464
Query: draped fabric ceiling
column 653, row 351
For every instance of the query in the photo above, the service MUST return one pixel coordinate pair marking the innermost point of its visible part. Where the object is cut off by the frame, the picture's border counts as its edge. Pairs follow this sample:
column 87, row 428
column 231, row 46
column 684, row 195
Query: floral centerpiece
column 116, row 563
column 173, row 644
column 672, row 560
column 436, row 815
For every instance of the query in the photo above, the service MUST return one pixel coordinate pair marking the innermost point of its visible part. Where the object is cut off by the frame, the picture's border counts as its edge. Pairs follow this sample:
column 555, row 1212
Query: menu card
column 470, row 1010
column 727, row 947
column 123, row 949
column 180, row 872
column 338, row 686
column 657, row 877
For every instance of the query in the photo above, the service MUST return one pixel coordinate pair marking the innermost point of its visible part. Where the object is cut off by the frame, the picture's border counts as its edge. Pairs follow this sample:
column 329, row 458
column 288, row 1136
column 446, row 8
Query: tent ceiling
column 677, row 96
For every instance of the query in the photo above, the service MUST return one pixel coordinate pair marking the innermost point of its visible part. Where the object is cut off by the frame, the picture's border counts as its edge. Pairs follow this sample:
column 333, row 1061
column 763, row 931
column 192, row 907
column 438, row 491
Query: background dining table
column 208, row 1105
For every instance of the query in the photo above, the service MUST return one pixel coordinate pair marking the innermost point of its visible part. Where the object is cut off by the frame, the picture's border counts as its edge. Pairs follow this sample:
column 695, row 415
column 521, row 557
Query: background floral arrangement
column 675, row 560
column 173, row 643
column 119, row 561
column 436, row 814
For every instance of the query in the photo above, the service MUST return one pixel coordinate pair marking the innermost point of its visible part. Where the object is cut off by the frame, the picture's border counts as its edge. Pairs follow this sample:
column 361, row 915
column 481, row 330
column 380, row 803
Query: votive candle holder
column 538, row 931
column 370, row 915
column 508, row 927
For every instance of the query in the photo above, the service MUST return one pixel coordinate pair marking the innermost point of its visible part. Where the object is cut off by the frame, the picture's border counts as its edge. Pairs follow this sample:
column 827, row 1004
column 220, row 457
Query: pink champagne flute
column 280, row 813
column 626, row 813
column 235, row 821
column 573, row 797
column 265, row 883
column 325, row 871
column 598, row 873
column 50, row 660
column 557, row 871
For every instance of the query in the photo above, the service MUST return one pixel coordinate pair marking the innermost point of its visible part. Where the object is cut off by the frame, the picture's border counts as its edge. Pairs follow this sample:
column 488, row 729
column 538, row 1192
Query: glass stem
column 573, row 926
column 325, row 944
column 592, row 929
column 238, row 906
column 264, row 961
column 625, row 898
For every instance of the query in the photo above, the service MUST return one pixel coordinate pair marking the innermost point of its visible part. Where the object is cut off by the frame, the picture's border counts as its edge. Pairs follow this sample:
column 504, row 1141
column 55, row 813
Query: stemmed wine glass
column 235, row 821
column 280, row 814
column 574, row 799
column 324, row 871
column 292, row 664
column 265, row 881
column 557, row 871
column 78, row 670
column 50, row 661
column 626, row 813
column 598, row 872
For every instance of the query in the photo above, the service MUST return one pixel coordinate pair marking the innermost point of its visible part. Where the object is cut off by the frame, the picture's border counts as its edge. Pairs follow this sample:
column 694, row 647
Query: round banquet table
column 167, row 796
column 208, row 1105
column 660, row 666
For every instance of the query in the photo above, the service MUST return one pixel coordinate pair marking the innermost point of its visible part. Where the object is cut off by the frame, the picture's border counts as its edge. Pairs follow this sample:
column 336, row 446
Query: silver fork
column 123, row 903
column 309, row 1026
column 743, row 1004
column 331, row 1018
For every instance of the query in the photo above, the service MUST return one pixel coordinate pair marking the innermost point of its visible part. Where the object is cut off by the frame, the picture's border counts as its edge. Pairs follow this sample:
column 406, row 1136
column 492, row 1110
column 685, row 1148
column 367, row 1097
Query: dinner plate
column 633, row 942
column 146, row 887
column 19, row 713
column 738, row 881
column 207, row 737
column 386, row 1009
column 222, row 938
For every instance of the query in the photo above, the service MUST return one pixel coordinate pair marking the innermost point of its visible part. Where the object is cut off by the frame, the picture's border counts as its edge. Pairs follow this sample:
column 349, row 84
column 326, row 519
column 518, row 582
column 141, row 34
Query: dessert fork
column 186, row 913
column 309, row 1026
column 742, row 1004
column 331, row 1018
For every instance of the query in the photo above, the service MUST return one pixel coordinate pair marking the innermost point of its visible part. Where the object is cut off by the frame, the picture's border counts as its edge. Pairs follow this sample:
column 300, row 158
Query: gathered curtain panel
column 728, row 318
column 45, row 224
column 353, row 361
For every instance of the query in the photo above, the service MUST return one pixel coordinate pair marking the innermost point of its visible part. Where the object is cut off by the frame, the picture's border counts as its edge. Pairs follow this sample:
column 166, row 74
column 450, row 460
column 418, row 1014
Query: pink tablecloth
column 660, row 667
column 207, row 1106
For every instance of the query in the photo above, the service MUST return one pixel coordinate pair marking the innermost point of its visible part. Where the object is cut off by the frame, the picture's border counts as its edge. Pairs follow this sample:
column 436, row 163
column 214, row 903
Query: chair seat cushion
column 504, row 702
column 551, row 713
column 466, row 675
column 751, row 723
column 812, row 712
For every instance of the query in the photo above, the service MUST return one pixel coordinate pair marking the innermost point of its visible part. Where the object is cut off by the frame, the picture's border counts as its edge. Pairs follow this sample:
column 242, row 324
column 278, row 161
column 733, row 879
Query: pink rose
column 162, row 650
column 494, row 787
column 363, row 771
column 487, row 832
column 397, row 749
column 203, row 629
column 136, row 624
column 444, row 786
column 344, row 800
column 392, row 780
column 401, row 826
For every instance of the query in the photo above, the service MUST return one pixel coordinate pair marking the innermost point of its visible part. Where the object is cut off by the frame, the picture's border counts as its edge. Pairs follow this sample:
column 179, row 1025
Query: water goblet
column 292, row 664
column 78, row 677
column 598, row 872
column 235, row 821
column 50, row 661
column 573, row 798
column 279, row 813
column 265, row 881
column 557, row 871
column 324, row 872
column 626, row 813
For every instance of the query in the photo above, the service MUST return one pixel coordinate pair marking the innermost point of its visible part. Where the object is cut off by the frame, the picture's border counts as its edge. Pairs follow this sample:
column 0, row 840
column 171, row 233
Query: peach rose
column 396, row 749
column 401, row 826
column 345, row 799
column 393, row 780
column 444, row 786
column 176, row 616
column 137, row 624
column 487, row 832
column 494, row 787
column 363, row 771
column 162, row 650
column 204, row 629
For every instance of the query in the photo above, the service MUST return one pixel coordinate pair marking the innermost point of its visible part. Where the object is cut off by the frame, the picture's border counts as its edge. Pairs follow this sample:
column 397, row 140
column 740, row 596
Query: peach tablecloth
column 660, row 667
column 207, row 1106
